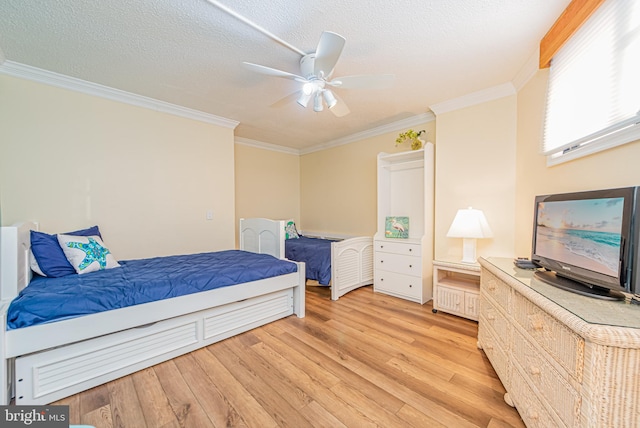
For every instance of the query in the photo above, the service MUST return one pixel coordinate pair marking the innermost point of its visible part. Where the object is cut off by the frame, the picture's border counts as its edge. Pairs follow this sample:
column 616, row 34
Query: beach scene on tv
column 584, row 233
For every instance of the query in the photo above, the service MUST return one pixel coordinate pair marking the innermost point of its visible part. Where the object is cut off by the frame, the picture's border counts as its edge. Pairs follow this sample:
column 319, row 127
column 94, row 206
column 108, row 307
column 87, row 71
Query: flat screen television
column 586, row 241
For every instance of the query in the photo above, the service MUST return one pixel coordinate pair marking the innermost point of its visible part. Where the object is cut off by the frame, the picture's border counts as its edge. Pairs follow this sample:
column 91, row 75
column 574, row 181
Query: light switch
column 209, row 215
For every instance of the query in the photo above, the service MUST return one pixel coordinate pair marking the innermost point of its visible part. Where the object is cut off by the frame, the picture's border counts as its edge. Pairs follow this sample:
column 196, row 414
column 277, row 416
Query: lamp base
column 468, row 250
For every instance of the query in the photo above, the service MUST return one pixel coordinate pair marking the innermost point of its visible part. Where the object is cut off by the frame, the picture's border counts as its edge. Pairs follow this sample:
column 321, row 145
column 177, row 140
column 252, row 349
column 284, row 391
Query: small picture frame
column 396, row 227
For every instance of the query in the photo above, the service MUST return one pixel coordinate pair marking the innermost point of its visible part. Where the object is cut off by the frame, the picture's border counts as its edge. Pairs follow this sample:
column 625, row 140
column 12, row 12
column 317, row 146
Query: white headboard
column 15, row 272
column 261, row 235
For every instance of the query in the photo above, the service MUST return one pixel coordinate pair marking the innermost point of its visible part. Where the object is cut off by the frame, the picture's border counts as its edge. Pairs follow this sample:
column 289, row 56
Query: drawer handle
column 410, row 266
column 381, row 246
column 489, row 347
column 534, row 415
column 491, row 317
column 534, row 370
column 491, row 287
column 381, row 261
column 538, row 326
column 410, row 285
column 410, row 249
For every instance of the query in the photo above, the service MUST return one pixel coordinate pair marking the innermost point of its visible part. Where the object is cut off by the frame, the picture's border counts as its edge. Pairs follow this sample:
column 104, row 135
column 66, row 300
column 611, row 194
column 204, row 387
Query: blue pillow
column 49, row 255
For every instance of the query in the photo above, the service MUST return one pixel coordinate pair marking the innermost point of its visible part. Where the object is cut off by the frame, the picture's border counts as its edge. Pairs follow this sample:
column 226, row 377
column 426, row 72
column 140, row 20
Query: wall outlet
column 209, row 215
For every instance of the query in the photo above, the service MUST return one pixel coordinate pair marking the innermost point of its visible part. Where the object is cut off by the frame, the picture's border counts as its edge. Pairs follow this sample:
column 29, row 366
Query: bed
column 45, row 361
column 344, row 264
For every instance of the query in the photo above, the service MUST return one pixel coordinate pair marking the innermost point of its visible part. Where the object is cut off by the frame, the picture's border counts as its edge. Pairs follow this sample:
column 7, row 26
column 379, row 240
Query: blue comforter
column 315, row 252
column 137, row 282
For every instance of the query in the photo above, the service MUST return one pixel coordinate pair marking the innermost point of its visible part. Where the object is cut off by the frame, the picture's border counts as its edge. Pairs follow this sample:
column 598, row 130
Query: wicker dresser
column 564, row 359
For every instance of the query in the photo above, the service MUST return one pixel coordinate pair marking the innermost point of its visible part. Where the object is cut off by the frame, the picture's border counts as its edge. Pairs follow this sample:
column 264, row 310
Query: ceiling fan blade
column 340, row 109
column 327, row 53
column 291, row 98
column 272, row 71
column 363, row 81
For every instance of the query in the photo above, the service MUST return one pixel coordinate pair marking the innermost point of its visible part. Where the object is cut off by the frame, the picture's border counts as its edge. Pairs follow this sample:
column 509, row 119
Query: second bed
column 343, row 264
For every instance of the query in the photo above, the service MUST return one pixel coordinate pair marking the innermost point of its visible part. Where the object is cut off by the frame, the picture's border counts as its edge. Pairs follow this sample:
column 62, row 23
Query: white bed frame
column 47, row 362
column 351, row 258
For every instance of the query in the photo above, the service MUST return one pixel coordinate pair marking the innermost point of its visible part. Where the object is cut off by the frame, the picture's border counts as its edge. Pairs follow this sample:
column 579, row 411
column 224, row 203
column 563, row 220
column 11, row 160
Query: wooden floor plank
column 124, row 403
column 367, row 359
column 209, row 395
column 185, row 406
column 153, row 400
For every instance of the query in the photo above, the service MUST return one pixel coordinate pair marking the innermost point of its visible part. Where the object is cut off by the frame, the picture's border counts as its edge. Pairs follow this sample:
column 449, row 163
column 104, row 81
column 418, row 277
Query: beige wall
column 612, row 168
column 338, row 185
column 69, row 161
column 475, row 168
column 267, row 184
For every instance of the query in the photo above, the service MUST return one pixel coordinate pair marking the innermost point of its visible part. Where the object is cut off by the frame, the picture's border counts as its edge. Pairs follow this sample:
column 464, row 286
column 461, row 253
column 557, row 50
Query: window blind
column 593, row 97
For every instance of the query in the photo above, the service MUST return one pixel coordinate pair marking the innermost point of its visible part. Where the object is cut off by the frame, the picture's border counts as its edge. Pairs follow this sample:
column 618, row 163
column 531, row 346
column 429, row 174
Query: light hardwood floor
column 366, row 360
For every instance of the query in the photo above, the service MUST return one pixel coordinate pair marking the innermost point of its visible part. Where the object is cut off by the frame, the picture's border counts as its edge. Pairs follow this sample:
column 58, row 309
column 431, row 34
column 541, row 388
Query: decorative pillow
column 49, row 259
column 290, row 231
column 87, row 253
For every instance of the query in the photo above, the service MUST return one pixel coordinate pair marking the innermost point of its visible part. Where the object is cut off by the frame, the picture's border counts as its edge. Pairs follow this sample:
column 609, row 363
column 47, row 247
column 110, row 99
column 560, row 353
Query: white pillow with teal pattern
column 290, row 231
column 87, row 253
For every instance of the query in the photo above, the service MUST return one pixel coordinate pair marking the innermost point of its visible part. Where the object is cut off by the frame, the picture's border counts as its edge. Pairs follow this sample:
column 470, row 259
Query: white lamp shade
column 469, row 223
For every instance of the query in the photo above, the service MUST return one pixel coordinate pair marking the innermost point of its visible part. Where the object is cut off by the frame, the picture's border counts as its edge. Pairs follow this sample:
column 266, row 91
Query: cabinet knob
column 410, row 249
column 534, row 415
column 410, row 266
column 534, row 370
column 410, row 286
column 381, row 246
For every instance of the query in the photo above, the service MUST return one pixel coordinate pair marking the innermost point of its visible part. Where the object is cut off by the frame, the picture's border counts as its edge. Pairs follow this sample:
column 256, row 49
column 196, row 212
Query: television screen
column 585, row 233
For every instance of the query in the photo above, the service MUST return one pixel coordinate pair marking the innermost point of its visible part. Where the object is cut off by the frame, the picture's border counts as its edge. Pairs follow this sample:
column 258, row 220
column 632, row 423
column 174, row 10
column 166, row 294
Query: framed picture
column 396, row 227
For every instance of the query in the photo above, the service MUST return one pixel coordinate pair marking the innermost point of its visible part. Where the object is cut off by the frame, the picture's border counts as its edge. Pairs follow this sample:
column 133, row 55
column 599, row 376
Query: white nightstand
column 456, row 288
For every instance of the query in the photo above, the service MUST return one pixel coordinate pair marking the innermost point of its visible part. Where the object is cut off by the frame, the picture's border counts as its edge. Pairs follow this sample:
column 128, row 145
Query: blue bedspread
column 315, row 252
column 136, row 282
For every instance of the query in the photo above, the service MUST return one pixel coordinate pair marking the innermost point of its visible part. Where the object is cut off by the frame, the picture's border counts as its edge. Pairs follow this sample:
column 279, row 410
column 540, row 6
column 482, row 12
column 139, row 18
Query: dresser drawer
column 551, row 385
column 490, row 344
column 530, row 408
column 495, row 289
column 398, row 263
column 398, row 248
column 564, row 346
column 494, row 320
column 398, row 284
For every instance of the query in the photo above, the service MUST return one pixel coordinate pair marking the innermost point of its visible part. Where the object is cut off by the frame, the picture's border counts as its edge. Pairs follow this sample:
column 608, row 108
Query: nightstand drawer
column 399, row 263
column 398, row 248
column 398, row 284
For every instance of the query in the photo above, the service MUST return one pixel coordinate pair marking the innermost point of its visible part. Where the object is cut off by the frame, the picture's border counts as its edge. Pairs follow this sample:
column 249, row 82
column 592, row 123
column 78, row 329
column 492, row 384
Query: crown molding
column 373, row 132
column 479, row 97
column 27, row 72
column 528, row 70
column 267, row 146
column 391, row 127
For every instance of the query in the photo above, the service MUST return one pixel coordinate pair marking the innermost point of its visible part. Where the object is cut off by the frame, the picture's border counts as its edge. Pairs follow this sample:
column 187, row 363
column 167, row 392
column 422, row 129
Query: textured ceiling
column 189, row 53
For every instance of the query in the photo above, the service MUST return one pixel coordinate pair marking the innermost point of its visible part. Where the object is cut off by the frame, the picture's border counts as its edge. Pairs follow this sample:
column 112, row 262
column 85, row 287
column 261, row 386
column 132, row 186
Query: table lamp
column 469, row 224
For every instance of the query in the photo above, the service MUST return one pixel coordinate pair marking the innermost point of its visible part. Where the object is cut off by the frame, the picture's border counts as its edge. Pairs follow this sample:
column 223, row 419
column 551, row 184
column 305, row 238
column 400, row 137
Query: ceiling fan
column 316, row 69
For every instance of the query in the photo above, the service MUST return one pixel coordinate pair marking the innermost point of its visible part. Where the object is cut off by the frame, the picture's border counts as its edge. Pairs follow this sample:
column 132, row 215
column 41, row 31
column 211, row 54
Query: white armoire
column 403, row 266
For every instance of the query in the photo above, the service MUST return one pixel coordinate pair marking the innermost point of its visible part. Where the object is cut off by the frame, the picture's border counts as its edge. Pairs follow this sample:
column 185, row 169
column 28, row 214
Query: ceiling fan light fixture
column 303, row 99
column 317, row 102
column 329, row 98
column 308, row 88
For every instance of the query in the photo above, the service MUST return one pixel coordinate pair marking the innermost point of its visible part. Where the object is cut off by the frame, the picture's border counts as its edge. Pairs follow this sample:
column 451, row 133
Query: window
column 593, row 99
